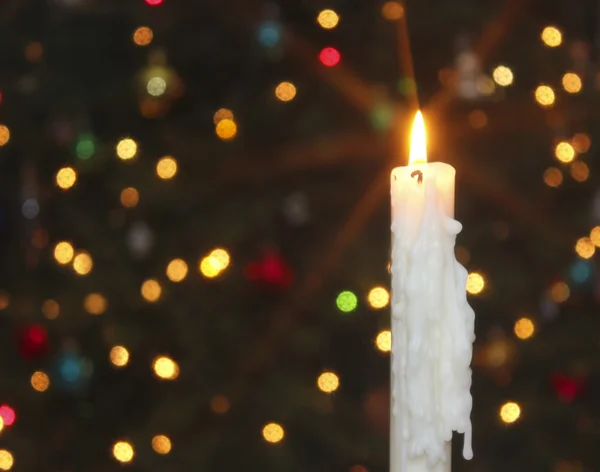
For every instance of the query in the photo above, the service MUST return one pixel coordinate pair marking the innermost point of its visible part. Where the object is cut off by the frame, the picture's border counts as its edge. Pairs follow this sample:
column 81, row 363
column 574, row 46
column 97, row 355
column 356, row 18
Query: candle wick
column 419, row 175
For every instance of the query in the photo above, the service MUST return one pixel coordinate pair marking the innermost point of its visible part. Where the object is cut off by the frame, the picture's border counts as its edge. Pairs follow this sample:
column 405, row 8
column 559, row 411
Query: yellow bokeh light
column 119, row 356
column 40, row 381
column 95, row 304
column 564, row 152
column 553, row 177
column 1, row 423
column 210, row 267
column 485, row 85
column 581, row 142
column 165, row 368
column 82, row 263
column 151, row 290
column 143, row 36
column 572, row 82
column 328, row 19
column 560, row 292
column 156, row 86
column 285, row 91
column 551, row 36
column 503, row 76
column 392, row 11
column 328, row 382
column 524, row 328
column 222, row 114
column 226, row 129
column 585, row 248
column 475, row 283
column 510, row 412
column 63, row 252
column 378, row 297
column 130, row 197
column 273, row 433
column 166, row 168
column 123, row 451
column 161, row 444
column 220, row 404
column 222, row 257
column 4, row 135
column 66, row 177
column 177, row 270
column 50, row 309
column 580, row 171
column 6, row 460
column 127, row 149
column 383, row 341
column 544, row 95
column 595, row 236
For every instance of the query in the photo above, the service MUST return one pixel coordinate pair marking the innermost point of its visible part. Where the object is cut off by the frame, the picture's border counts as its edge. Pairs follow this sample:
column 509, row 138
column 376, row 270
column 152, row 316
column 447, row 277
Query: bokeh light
column 83, row 263
column 34, row 51
column 177, row 270
column 6, row 460
column 564, row 152
column 156, row 86
column 63, row 252
column 551, row 36
column 95, row 304
column 503, row 76
column 220, row 404
column 475, row 283
column 273, row 433
column 1, row 424
column 209, row 267
column 143, row 36
column 165, row 368
column 222, row 257
column 478, row 119
column 581, row 142
column 524, row 328
column 40, row 381
column 222, row 114
column 123, row 451
column 544, row 95
column 4, row 135
column 50, row 309
column 151, row 290
column 154, row 3
column 572, row 82
column 328, row 382
column 585, row 248
column 130, row 197
column 226, row 129
column 127, row 149
column 328, row 19
column 166, row 167
column 8, row 414
column 553, row 177
column 392, row 11
column 383, row 341
column 330, row 57
column 510, row 412
column 378, row 297
column 595, row 236
column 346, row 301
column 66, row 177
column 560, row 292
column 119, row 356
column 285, row 91
column 85, row 147
column 580, row 171
column 4, row 300
column 161, row 444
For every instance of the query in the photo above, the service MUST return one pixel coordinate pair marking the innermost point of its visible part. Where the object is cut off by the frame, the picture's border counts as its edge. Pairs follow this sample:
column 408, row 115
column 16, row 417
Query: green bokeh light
column 346, row 301
column 85, row 147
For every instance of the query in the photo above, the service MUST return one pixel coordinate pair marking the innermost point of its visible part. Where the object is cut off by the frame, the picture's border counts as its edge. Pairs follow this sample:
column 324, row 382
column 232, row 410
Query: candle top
column 418, row 142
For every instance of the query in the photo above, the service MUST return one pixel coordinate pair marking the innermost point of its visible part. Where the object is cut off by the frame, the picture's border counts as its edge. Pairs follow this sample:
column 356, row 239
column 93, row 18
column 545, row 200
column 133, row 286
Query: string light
column 328, row 19
column 126, row 149
column 328, row 382
column 564, row 152
column 130, row 197
column 581, row 142
column 544, row 95
column 585, row 248
column 346, row 301
column 166, row 168
column 392, row 11
column 95, row 304
column 510, row 412
column 572, row 82
column 219, row 404
column 285, row 91
column 383, row 341
column 151, row 290
column 330, row 57
column 66, row 178
column 595, row 236
column 50, row 309
column 378, row 297
column 226, row 129
column 273, row 433
column 553, row 177
column 119, row 356
column 6, row 460
column 222, row 114
column 143, row 36
column 40, row 381
column 524, row 328
column 63, row 252
column 156, row 86
column 123, row 451
column 4, row 135
column 165, row 368
column 475, row 283
column 551, row 36
column 82, row 263
column 503, row 76
column 580, row 171
column 560, row 292
column 161, row 444
column 177, row 270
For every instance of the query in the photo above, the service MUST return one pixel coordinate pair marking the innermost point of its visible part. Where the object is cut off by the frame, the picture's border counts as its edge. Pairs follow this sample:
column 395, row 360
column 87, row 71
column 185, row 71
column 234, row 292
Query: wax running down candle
column 432, row 323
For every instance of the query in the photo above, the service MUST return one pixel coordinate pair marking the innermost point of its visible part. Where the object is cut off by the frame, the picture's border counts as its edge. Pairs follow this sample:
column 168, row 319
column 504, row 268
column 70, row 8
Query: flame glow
column 418, row 143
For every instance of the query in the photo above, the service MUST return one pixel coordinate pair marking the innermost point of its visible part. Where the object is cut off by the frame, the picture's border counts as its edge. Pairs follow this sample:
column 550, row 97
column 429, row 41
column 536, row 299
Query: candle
column 432, row 323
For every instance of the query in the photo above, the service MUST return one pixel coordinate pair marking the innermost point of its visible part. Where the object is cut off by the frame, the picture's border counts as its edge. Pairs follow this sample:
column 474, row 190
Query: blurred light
column 485, row 85
column 40, row 381
column 209, row 267
column 580, row 171
column 177, row 270
column 161, row 444
column 166, row 168
column 595, row 236
column 220, row 404
column 50, row 309
column 30, row 208
column 8, row 415
column 40, row 238
column 222, row 114
column 544, row 95
column 524, row 328
column 357, row 468
column 95, row 304
column 130, row 197
column 222, row 258
column 564, row 152
column 330, row 57
column 156, row 86
column 85, row 147
column 392, row 11
column 328, row 19
column 346, row 301
column 34, row 52
column 143, row 36
column 126, row 149
column 154, row 3
column 572, row 82
column 63, row 252
column 6, row 460
column 378, row 297
column 580, row 271
column 119, row 356
column 66, row 177
column 4, row 300
column 273, row 433
column 151, row 290
column 166, row 368
column 226, row 129
column 269, row 34
column 551, row 36
column 475, row 283
column 503, row 76
column 553, row 177
column 560, row 292
column 285, row 91
column 4, row 135
column 123, row 451
column 581, row 142
column 384, row 341
column 328, row 382
column 585, row 248
column 478, row 119
column 510, row 412
column 83, row 263
column 1, row 423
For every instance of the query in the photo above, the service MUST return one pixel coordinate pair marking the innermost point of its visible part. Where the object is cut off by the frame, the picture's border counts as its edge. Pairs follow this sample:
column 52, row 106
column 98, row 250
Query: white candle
column 432, row 323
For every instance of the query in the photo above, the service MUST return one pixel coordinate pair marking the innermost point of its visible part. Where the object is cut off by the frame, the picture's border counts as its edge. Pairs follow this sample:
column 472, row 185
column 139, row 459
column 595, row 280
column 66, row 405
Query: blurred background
column 195, row 229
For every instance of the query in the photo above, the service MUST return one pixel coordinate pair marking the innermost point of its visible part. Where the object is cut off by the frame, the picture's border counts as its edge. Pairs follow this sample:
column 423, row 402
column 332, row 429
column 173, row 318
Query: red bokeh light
column 330, row 57
column 8, row 415
column 154, row 3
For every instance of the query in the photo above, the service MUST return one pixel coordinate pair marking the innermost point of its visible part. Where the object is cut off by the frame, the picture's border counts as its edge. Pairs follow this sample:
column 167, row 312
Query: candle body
column 432, row 323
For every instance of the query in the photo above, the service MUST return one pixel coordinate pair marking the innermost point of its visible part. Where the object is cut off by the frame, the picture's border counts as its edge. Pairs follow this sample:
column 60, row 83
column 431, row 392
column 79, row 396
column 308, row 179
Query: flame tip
column 418, row 144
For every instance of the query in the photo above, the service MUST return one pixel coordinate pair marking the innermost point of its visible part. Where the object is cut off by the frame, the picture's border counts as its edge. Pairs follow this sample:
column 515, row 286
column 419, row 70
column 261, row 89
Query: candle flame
column 418, row 143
